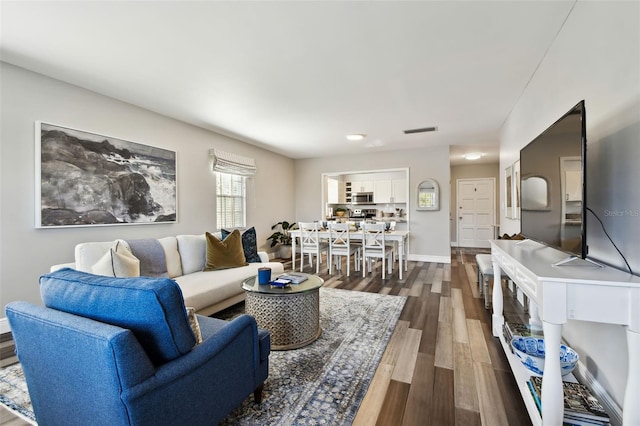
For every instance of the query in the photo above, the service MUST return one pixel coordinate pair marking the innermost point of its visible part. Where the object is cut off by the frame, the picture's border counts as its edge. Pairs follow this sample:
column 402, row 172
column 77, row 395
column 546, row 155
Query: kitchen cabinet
column 362, row 186
column 399, row 190
column 390, row 191
column 335, row 191
column 382, row 191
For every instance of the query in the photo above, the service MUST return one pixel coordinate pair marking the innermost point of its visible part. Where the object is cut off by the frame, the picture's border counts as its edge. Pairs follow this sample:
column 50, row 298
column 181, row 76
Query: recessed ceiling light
column 473, row 155
column 356, row 136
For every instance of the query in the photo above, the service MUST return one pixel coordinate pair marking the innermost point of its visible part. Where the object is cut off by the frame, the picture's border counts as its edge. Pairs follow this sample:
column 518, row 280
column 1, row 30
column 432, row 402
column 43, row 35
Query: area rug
column 322, row 383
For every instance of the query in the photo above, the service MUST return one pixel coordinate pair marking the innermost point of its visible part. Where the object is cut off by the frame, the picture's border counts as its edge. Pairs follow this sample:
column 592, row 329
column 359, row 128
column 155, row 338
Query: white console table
column 577, row 290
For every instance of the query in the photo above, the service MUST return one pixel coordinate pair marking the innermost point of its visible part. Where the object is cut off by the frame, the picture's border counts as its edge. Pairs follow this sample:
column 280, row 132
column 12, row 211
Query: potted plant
column 340, row 211
column 281, row 237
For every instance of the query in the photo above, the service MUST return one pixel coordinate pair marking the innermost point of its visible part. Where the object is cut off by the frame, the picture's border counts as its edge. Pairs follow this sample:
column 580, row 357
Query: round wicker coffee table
column 291, row 314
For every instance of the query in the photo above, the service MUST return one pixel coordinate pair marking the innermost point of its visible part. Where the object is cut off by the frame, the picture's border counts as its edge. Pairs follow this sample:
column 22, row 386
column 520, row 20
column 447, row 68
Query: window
column 230, row 200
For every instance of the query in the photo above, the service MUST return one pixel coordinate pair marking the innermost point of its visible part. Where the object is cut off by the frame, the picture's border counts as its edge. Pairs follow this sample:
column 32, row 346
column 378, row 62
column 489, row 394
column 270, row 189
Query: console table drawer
column 526, row 283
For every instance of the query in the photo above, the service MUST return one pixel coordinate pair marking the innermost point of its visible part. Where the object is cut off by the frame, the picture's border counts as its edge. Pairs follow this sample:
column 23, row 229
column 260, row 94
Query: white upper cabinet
column 383, row 191
column 399, row 190
column 363, row 186
column 390, row 191
column 335, row 191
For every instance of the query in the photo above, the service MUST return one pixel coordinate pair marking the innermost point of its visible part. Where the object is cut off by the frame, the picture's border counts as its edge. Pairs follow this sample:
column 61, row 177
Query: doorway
column 475, row 211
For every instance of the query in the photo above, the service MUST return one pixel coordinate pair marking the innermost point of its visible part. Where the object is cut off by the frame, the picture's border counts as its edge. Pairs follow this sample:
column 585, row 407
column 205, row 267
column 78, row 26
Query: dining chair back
column 374, row 246
column 310, row 244
column 340, row 245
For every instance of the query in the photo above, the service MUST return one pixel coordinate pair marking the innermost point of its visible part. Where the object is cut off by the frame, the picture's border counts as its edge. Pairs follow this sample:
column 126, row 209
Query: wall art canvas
column 87, row 179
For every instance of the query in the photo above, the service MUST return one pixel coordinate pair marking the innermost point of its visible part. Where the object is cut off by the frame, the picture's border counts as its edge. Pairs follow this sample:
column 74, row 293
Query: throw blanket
column 151, row 256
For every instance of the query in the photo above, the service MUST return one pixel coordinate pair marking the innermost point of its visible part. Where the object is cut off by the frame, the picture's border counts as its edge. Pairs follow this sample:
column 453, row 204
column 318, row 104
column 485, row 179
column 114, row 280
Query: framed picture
column 87, row 179
column 508, row 188
column 516, row 189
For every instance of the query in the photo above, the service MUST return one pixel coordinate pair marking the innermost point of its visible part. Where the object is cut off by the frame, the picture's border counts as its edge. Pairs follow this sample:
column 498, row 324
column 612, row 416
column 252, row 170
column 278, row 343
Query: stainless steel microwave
column 362, row 198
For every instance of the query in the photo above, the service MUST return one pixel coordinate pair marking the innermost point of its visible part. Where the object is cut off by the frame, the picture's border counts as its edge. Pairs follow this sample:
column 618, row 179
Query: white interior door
column 476, row 212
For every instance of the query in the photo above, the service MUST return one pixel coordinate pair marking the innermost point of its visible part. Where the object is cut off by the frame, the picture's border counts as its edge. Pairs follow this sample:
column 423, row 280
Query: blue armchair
column 120, row 351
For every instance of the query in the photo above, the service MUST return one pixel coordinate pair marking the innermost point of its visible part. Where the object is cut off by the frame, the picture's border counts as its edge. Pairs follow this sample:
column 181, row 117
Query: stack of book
column 510, row 329
column 291, row 278
column 581, row 408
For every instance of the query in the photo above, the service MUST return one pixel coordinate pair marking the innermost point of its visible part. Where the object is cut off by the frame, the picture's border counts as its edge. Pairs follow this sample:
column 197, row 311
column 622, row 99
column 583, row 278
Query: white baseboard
column 4, row 326
column 454, row 244
column 585, row 377
column 429, row 258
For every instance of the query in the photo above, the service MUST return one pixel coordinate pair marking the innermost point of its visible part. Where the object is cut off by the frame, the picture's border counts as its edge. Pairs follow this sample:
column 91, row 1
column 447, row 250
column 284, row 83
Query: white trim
column 4, row 326
column 611, row 407
column 454, row 243
column 429, row 258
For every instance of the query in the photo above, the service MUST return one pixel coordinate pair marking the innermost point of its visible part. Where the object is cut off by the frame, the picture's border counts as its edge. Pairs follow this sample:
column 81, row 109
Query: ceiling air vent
column 422, row 130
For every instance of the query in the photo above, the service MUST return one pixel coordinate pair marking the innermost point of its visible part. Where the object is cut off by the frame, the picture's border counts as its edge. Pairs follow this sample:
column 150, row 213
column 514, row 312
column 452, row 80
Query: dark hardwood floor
column 442, row 365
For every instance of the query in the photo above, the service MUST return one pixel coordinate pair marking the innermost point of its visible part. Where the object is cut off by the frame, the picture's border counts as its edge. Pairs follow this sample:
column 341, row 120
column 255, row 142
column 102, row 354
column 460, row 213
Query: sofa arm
column 205, row 384
column 264, row 256
column 59, row 266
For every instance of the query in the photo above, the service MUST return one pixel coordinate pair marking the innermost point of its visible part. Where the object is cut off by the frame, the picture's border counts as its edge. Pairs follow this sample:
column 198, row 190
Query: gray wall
column 595, row 57
column 429, row 238
column 26, row 252
column 472, row 171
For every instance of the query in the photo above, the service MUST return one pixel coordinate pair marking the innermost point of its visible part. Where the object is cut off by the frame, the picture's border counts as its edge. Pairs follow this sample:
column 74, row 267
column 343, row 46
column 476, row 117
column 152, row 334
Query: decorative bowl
column 530, row 352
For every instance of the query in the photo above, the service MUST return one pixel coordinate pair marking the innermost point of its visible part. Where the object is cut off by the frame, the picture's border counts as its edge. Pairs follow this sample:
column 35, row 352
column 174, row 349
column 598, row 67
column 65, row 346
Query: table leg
column 497, row 301
column 293, row 254
column 400, row 256
column 631, row 408
column 534, row 316
column 552, row 392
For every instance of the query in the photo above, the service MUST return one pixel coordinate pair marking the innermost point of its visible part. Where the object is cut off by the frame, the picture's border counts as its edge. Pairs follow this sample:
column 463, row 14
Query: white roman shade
column 226, row 162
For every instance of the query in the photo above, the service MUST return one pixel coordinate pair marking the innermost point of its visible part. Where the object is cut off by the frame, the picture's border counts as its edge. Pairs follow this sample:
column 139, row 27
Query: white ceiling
column 296, row 77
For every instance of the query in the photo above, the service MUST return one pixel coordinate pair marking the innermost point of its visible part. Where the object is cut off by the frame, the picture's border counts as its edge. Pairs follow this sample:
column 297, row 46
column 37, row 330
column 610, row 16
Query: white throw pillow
column 117, row 262
column 193, row 252
column 172, row 256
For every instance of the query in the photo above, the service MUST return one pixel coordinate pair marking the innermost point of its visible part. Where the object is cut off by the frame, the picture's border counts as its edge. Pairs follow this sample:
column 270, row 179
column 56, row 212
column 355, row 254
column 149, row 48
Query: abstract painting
column 86, row 179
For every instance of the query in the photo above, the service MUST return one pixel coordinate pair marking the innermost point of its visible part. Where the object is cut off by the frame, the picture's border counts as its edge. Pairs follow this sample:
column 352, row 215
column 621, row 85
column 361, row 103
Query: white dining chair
column 374, row 247
column 311, row 245
column 340, row 245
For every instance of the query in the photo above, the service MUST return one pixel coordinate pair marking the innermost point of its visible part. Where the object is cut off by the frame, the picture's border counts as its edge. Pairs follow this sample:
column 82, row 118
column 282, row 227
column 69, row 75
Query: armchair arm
column 203, row 386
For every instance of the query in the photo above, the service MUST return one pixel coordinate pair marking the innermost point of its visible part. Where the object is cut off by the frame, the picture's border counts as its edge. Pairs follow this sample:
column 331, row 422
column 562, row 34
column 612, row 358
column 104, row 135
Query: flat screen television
column 553, row 185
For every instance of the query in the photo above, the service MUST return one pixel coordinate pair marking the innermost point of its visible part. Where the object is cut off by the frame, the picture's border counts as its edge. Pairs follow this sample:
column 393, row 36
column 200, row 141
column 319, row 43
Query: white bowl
column 530, row 351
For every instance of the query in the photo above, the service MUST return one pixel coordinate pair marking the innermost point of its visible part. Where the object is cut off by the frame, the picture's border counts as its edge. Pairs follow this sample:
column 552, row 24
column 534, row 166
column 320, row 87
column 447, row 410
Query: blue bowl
column 530, row 352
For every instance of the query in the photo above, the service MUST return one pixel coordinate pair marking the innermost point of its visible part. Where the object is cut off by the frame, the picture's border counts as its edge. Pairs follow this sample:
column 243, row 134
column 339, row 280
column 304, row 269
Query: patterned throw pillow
column 117, row 262
column 249, row 244
column 195, row 326
column 226, row 253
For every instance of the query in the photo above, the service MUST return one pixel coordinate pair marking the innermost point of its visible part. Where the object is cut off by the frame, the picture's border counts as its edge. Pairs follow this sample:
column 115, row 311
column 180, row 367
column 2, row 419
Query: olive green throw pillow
column 224, row 254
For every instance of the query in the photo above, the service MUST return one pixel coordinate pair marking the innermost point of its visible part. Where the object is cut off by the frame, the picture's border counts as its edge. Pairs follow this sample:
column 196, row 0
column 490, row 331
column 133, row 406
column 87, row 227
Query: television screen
column 552, row 185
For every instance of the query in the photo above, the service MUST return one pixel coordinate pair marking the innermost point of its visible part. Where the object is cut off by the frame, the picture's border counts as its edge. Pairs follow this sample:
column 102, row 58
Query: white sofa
column 206, row 291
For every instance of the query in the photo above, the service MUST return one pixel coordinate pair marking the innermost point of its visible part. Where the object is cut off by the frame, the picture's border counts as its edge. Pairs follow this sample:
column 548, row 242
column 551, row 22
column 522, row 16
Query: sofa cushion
column 172, row 256
column 249, row 244
column 204, row 289
column 152, row 308
column 153, row 261
column 193, row 252
column 224, row 254
column 87, row 254
column 118, row 261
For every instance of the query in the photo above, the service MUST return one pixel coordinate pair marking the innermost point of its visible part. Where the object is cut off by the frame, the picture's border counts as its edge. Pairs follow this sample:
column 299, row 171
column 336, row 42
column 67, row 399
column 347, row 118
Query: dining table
column 401, row 237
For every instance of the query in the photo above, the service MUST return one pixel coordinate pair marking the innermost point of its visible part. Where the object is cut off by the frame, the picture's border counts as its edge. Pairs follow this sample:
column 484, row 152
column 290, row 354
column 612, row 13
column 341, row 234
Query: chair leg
column 487, row 301
column 257, row 394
